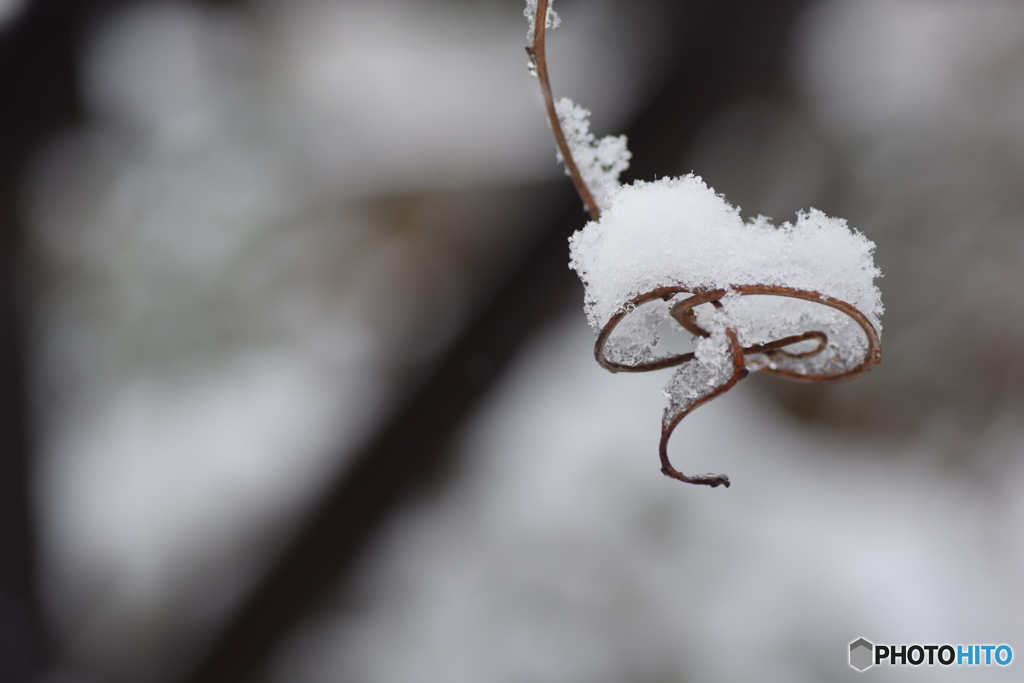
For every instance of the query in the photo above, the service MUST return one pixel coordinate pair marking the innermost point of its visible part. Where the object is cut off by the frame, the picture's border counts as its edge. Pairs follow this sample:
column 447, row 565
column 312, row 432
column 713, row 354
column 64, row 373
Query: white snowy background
column 266, row 201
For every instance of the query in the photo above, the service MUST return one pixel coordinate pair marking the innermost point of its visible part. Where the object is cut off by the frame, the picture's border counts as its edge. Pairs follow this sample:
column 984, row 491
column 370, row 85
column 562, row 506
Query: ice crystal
column 600, row 161
column 551, row 21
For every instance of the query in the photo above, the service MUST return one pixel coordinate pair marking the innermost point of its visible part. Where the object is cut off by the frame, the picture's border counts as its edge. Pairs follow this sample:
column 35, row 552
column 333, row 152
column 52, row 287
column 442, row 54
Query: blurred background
column 296, row 386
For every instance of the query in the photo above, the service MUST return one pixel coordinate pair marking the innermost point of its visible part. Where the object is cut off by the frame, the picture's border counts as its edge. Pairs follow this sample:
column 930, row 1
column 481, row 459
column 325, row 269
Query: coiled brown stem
column 683, row 312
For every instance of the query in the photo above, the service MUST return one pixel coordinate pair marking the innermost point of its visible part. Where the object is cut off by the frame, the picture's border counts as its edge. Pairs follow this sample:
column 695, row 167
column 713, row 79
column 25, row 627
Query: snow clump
column 679, row 232
column 600, row 162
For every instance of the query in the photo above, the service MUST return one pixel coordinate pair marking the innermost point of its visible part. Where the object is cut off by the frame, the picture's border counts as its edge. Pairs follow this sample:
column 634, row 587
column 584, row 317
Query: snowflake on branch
column 600, row 162
column 552, row 20
column 797, row 301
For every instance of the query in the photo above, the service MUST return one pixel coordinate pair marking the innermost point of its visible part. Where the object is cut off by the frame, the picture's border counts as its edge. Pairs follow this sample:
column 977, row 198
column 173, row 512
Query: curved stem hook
column 668, row 425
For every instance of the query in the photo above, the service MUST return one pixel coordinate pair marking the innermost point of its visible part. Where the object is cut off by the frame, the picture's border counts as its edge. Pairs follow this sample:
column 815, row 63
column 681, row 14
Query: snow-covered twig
column 539, row 63
column 796, row 301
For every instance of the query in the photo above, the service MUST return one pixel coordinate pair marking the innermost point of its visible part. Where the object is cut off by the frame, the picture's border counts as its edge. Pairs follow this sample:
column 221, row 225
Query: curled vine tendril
column 683, row 312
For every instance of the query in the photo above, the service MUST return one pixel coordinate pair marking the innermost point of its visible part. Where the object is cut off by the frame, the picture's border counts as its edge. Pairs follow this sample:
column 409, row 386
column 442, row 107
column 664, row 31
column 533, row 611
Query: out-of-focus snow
column 564, row 555
column 872, row 65
column 9, row 10
column 178, row 344
column 221, row 305
column 922, row 102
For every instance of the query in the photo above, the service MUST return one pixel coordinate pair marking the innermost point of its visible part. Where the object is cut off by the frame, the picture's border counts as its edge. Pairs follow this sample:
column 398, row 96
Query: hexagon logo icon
column 861, row 654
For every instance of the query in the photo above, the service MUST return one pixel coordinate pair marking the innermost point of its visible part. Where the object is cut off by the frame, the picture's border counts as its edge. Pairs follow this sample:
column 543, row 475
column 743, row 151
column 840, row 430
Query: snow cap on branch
column 679, row 232
column 797, row 301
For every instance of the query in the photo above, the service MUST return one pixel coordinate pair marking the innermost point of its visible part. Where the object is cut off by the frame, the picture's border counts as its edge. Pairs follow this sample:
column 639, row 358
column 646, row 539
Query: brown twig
column 683, row 312
column 669, row 424
column 871, row 357
column 538, row 57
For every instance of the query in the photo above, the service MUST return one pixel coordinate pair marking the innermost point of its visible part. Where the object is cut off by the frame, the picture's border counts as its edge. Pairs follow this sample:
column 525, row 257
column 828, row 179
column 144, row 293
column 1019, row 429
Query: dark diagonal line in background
column 725, row 51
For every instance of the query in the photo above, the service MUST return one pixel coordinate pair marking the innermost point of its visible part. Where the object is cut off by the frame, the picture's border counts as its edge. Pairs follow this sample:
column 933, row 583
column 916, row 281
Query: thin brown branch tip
column 797, row 301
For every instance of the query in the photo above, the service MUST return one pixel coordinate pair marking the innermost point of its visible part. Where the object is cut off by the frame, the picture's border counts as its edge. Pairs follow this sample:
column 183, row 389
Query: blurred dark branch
column 39, row 91
column 725, row 51
column 37, row 82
